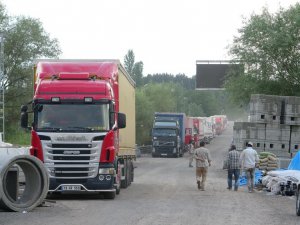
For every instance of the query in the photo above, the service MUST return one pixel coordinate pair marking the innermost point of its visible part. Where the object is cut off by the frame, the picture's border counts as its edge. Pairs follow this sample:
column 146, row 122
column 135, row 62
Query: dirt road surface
column 164, row 192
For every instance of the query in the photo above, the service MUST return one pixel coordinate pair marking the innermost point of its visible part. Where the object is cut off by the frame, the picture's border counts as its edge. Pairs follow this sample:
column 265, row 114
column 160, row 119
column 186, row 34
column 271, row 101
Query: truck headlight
column 106, row 171
column 153, row 149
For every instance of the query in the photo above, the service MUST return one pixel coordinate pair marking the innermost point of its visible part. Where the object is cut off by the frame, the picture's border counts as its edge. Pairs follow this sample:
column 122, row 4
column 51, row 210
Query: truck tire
column 132, row 172
column 124, row 182
column 129, row 164
column 110, row 195
column 298, row 202
column 118, row 189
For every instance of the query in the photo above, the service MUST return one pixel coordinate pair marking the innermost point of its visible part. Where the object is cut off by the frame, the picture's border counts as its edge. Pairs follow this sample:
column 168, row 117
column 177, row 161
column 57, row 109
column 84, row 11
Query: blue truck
column 168, row 134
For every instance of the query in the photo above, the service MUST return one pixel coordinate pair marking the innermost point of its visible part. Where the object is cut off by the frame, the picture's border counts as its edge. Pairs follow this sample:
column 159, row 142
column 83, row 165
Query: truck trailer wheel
column 132, row 172
column 298, row 202
column 129, row 174
column 124, row 182
column 118, row 189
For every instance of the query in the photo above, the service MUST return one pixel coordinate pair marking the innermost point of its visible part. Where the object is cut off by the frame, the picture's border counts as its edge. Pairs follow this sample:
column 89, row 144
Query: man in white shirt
column 248, row 159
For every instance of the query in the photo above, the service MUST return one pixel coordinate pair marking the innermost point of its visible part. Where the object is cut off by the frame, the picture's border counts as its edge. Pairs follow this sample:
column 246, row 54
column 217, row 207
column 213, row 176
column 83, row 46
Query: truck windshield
column 164, row 132
column 71, row 117
column 164, row 123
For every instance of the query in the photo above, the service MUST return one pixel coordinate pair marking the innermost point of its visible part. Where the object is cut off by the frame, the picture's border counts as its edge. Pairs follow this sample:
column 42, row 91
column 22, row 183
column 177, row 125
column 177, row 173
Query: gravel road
column 164, row 192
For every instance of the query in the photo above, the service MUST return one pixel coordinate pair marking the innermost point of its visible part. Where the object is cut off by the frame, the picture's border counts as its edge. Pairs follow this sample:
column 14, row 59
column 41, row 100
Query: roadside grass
column 17, row 136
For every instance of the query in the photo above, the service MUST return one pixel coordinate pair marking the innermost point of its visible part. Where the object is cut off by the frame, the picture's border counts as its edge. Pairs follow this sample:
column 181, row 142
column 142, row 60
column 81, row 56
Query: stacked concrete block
column 274, row 125
column 264, row 118
column 292, row 110
column 278, row 132
column 278, row 148
column 247, row 131
column 265, row 109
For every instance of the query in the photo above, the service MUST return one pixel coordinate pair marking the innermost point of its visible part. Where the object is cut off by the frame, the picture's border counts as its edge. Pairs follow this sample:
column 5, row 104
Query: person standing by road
column 191, row 153
column 203, row 161
column 233, row 162
column 249, row 159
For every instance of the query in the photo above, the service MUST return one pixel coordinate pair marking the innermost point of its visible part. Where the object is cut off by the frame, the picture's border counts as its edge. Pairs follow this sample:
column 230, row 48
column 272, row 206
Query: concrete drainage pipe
column 24, row 182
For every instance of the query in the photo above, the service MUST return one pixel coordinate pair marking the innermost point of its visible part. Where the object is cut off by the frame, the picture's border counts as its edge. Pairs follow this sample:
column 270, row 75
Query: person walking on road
column 249, row 159
column 233, row 162
column 191, row 153
column 203, row 161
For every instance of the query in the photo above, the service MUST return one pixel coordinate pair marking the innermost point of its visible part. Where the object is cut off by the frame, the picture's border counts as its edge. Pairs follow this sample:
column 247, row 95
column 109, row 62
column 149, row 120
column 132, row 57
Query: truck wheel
column 124, row 182
column 132, row 173
column 129, row 164
column 118, row 189
column 298, row 202
column 153, row 155
column 118, row 180
column 110, row 195
column 181, row 154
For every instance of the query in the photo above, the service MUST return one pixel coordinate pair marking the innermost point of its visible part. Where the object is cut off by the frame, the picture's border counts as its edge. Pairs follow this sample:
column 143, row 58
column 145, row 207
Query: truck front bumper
column 165, row 151
column 83, row 185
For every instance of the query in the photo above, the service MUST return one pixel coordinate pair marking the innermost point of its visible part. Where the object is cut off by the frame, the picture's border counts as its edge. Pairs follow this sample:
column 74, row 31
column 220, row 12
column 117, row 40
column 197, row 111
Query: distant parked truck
column 197, row 128
column 193, row 131
column 76, row 108
column 220, row 122
column 168, row 134
column 208, row 129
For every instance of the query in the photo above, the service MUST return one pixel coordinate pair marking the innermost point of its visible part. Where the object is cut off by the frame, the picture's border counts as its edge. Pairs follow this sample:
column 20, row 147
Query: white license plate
column 71, row 188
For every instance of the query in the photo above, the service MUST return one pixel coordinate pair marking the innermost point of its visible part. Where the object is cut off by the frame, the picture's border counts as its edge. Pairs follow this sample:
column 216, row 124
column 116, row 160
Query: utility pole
column 1, row 87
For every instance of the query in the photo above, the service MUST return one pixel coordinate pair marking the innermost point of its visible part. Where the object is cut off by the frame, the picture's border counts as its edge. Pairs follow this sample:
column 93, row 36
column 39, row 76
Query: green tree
column 180, row 79
column 268, row 45
column 144, row 117
column 149, row 99
column 129, row 60
column 135, row 69
column 3, row 18
column 25, row 40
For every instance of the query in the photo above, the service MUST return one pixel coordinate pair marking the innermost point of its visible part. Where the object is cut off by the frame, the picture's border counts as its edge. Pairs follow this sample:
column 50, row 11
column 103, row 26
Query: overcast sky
column 168, row 36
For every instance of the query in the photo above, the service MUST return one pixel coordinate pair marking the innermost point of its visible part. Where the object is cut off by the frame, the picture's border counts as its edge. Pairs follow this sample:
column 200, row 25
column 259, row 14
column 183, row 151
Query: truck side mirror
column 24, row 116
column 121, row 120
column 24, row 120
column 24, row 108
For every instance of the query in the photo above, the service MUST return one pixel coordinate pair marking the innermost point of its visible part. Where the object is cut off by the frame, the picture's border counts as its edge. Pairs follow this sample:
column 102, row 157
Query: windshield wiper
column 167, row 143
column 50, row 128
column 80, row 128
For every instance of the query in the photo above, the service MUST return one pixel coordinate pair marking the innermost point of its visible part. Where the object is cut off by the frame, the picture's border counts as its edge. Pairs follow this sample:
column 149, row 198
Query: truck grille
column 164, row 143
column 69, row 161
